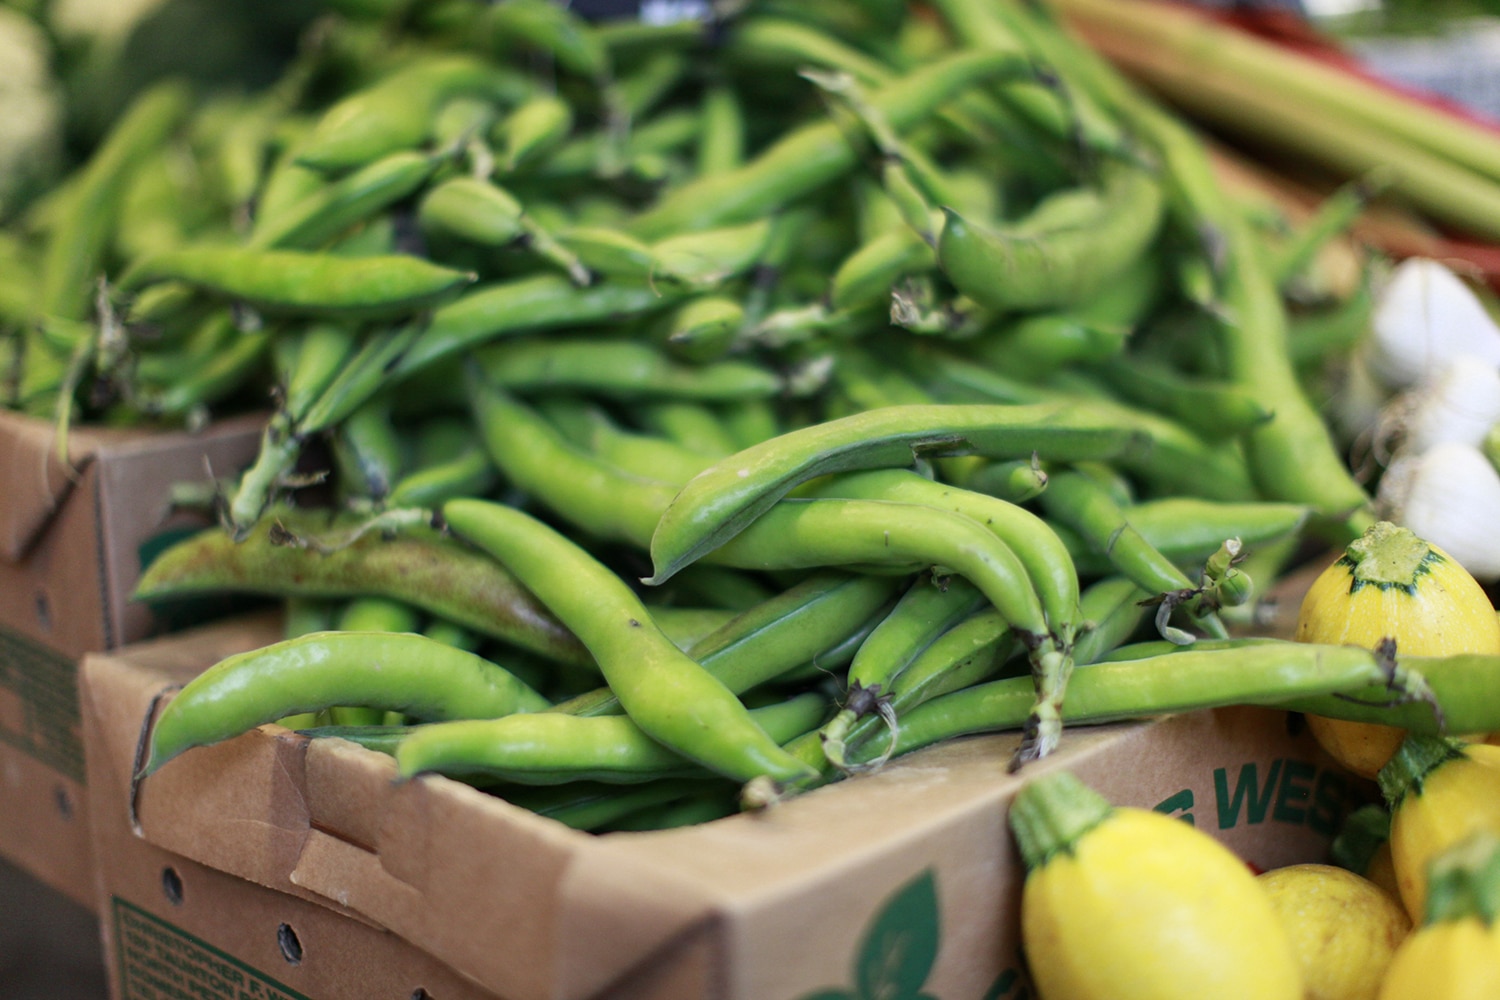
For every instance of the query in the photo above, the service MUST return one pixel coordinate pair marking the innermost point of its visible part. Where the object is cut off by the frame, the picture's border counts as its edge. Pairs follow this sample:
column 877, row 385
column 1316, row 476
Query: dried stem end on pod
column 1417, row 757
column 1464, row 881
column 1050, row 814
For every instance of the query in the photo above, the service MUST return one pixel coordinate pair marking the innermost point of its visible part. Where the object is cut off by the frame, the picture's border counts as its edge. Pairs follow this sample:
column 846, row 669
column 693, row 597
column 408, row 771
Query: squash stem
column 1388, row 555
column 1464, row 881
column 1050, row 814
column 1416, row 758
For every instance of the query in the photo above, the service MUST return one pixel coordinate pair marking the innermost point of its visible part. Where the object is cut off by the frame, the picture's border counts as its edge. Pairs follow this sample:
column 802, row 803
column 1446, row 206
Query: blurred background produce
column 495, row 252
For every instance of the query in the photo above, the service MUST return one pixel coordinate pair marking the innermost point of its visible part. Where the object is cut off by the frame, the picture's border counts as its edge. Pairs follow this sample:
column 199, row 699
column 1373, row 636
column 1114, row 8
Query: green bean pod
column 669, row 695
column 804, row 624
column 417, row 566
column 1178, row 461
column 351, row 385
column 659, row 136
column 200, row 382
column 1037, row 268
column 535, row 303
column 813, row 155
column 703, row 329
column 74, row 255
column 1035, row 345
column 586, row 805
column 1078, row 501
column 546, row 27
column 397, row 112
column 1112, row 612
column 450, row 462
column 721, row 144
column 972, row 651
column 619, row 369
column 710, row 257
column 370, row 614
column 722, row 500
column 1274, row 674
column 691, row 424
column 317, row 218
column 478, row 211
column 532, row 130
column 548, row 748
column 400, row 672
column 307, row 284
column 368, row 453
column 928, row 609
column 473, row 209
column 645, row 455
column 535, row 457
column 800, row 534
column 1187, row 530
column 320, row 351
column 1214, row 409
column 866, row 277
column 1047, row 561
column 609, row 252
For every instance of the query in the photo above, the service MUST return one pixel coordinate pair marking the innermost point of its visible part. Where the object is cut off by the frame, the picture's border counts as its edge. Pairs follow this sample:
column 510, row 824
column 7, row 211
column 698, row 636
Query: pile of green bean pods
column 685, row 415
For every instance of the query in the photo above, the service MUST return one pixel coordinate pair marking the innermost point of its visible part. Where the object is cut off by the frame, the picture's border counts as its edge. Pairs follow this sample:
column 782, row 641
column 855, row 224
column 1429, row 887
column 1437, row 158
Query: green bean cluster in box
column 671, row 418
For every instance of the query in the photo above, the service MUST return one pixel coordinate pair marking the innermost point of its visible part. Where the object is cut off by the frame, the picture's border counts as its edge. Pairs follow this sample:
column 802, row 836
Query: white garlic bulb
column 1449, row 495
column 1462, row 403
column 1424, row 317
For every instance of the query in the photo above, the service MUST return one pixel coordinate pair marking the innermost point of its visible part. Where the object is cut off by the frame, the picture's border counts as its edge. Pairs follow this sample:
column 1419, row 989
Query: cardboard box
column 805, row 897
column 72, row 543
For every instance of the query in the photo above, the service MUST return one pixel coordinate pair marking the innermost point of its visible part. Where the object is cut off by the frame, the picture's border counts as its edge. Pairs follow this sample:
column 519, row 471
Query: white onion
column 1424, row 317
column 1450, row 496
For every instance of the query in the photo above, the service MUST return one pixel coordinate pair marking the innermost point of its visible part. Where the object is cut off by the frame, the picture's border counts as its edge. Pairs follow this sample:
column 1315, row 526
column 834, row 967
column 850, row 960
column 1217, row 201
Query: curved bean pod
column 1083, row 504
column 418, row 566
column 805, row 159
column 539, row 302
column 1273, row 674
column 619, row 369
column 800, row 625
column 318, row 217
column 668, row 694
column 309, row 284
column 725, row 498
column 1028, row 269
column 549, row 748
column 397, row 112
column 1047, row 560
column 400, row 672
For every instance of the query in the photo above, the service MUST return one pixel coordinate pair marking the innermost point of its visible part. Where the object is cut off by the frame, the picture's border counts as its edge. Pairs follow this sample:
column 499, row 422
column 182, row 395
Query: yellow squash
column 1390, row 584
column 1130, row 904
column 1440, row 790
column 1343, row 927
column 1455, row 954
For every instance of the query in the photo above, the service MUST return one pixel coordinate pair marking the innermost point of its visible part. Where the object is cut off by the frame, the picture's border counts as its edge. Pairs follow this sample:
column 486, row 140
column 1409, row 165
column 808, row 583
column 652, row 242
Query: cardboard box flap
column 36, row 480
column 258, row 811
column 595, row 947
column 553, row 895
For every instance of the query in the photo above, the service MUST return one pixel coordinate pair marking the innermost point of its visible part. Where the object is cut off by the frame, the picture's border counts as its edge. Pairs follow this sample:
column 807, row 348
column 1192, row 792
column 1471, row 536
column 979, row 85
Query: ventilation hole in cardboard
column 291, row 948
column 43, row 611
column 420, row 994
column 64, row 802
column 171, row 885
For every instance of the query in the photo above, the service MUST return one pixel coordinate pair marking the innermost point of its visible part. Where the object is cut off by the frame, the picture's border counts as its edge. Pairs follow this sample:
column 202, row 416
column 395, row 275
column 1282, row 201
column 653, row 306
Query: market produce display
column 665, row 420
